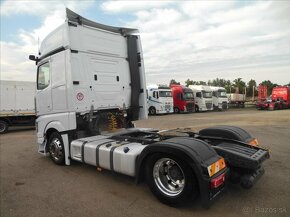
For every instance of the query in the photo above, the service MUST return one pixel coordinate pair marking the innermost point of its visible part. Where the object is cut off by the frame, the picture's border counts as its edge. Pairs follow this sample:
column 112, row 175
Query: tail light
column 218, row 181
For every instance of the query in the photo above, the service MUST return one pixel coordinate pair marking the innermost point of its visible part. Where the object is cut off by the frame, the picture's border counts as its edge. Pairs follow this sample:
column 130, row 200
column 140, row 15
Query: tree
column 188, row 82
column 252, row 83
column 220, row 82
column 239, row 84
column 191, row 82
column 172, row 81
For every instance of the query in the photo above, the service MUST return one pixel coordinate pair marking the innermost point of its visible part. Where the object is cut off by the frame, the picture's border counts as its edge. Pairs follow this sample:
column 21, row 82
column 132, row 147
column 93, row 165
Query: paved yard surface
column 31, row 185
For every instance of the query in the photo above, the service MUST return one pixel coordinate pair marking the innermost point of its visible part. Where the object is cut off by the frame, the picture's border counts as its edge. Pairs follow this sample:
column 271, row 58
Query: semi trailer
column 237, row 100
column 90, row 89
column 159, row 98
column 16, row 104
column 183, row 99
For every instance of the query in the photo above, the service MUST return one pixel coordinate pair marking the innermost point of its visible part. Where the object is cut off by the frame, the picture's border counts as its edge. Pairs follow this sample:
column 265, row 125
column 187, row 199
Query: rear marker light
column 218, row 181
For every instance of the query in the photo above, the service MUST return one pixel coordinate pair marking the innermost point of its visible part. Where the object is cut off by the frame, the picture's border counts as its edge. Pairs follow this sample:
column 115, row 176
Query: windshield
column 222, row 94
column 206, row 94
column 188, row 95
column 165, row 94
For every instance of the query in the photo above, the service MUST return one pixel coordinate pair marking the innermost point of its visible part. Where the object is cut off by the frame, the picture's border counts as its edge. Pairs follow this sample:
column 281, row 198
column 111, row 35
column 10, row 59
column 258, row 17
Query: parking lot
column 31, row 185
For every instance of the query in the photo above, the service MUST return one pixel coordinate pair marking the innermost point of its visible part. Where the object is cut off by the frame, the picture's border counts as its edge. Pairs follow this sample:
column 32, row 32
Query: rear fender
column 229, row 132
column 197, row 153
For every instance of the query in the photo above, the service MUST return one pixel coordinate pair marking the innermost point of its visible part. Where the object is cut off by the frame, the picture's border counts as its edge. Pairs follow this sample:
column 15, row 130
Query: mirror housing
column 32, row 57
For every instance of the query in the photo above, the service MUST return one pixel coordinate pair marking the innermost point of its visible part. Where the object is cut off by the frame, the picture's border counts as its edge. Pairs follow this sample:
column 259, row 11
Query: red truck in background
column 183, row 99
column 280, row 98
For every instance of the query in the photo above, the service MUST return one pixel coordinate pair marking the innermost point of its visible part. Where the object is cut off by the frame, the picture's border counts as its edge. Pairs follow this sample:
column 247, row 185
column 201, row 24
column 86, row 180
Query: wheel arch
column 229, row 132
column 51, row 127
column 7, row 120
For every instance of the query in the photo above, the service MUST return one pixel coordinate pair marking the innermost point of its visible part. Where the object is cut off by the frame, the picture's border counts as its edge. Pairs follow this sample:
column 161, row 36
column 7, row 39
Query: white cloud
column 41, row 8
column 14, row 56
column 204, row 40
column 132, row 6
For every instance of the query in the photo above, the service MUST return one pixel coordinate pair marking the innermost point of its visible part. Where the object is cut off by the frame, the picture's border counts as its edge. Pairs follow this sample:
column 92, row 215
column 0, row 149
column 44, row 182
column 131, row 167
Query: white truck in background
column 219, row 98
column 17, row 107
column 91, row 87
column 203, row 97
column 160, row 100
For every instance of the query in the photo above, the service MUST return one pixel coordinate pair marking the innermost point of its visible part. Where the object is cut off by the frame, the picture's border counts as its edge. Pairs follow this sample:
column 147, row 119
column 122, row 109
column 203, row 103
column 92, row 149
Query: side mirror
column 32, row 57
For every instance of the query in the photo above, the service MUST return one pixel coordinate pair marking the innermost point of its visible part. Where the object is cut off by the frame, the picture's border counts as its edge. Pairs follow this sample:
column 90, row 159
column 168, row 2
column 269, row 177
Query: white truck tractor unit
column 91, row 87
column 219, row 98
column 159, row 98
column 203, row 97
column 17, row 107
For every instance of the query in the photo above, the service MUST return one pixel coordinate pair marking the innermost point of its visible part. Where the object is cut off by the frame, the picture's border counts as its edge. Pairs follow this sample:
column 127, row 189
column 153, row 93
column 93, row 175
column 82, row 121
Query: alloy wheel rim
column 168, row 177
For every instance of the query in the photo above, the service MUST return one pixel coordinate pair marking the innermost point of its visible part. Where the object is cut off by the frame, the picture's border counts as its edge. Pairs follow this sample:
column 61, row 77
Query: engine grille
column 208, row 105
column 167, row 107
column 190, row 107
column 224, row 105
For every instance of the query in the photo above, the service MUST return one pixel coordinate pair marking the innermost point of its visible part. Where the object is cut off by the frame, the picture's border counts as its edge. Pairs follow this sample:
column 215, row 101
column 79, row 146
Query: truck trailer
column 183, row 99
column 203, row 97
column 90, row 89
column 159, row 98
column 16, row 104
column 237, row 100
column 219, row 98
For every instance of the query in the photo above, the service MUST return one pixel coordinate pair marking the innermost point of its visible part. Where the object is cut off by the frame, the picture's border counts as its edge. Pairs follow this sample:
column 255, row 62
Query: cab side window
column 198, row 94
column 43, row 76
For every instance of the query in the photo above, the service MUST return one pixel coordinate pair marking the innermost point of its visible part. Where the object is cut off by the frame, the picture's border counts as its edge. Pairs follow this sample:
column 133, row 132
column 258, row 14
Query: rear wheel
column 56, row 148
column 152, row 111
column 170, row 179
column 3, row 126
column 176, row 110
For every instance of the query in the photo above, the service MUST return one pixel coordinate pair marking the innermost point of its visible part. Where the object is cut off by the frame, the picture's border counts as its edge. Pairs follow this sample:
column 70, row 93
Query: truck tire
column 56, row 148
column 196, row 108
column 152, row 111
column 170, row 179
column 3, row 127
column 176, row 110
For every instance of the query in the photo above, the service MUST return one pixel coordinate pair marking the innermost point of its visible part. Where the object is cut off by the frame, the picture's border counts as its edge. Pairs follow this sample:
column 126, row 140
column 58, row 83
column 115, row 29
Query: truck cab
column 183, row 99
column 159, row 98
column 219, row 98
column 90, row 78
column 203, row 97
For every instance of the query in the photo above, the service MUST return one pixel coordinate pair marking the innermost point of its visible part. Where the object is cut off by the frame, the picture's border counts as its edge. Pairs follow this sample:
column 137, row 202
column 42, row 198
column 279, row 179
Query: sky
column 199, row 40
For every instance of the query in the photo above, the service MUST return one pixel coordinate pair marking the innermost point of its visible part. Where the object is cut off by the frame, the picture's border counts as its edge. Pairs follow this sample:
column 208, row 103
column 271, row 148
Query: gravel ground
column 31, row 185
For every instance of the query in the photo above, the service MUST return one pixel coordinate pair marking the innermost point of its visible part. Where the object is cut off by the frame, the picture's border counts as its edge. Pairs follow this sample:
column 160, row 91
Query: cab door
column 43, row 95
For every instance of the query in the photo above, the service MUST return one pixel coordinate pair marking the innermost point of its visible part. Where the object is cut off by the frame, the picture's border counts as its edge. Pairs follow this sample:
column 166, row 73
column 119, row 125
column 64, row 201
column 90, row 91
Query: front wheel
column 176, row 110
column 170, row 179
column 3, row 126
column 196, row 108
column 152, row 111
column 56, row 149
